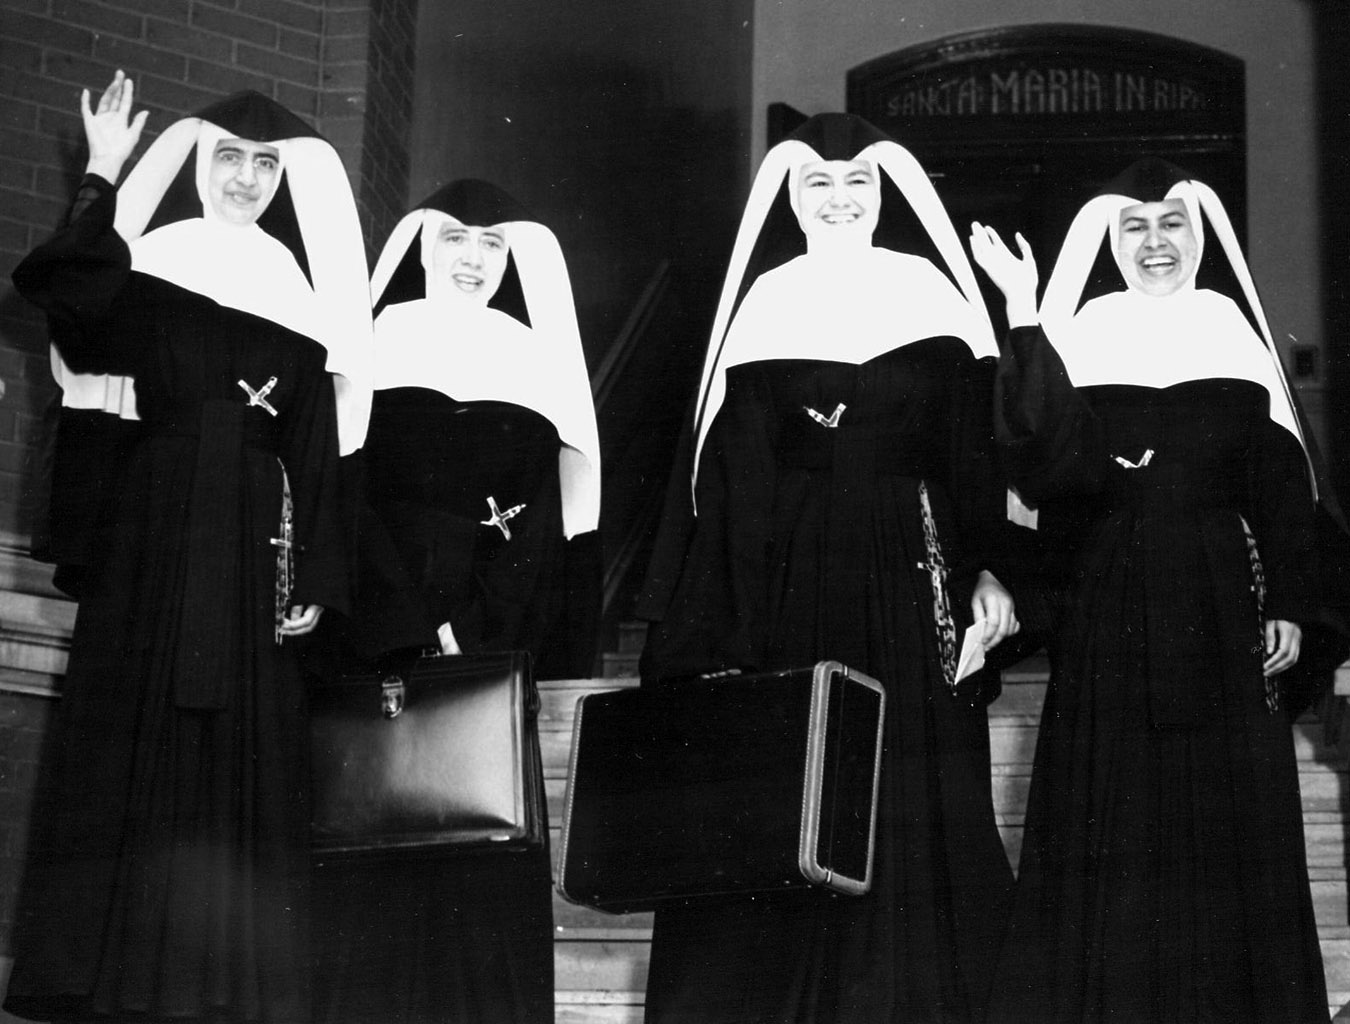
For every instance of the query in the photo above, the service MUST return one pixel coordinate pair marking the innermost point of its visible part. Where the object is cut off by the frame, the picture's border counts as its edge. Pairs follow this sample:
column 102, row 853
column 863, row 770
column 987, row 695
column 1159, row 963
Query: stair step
column 632, row 637
column 597, row 1007
column 611, row 966
column 601, row 959
column 1326, row 871
column 1012, row 744
column 1322, row 795
column 620, row 664
column 575, row 923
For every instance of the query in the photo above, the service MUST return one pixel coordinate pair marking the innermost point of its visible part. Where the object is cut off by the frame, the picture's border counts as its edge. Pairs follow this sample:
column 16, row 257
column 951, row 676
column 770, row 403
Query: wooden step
column 1322, row 794
column 619, row 969
column 597, row 1007
column 1012, row 742
column 573, row 922
column 1013, row 722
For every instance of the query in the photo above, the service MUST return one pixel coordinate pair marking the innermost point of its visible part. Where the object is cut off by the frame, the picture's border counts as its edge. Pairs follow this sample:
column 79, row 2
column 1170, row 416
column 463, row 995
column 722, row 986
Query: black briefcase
column 443, row 758
column 733, row 785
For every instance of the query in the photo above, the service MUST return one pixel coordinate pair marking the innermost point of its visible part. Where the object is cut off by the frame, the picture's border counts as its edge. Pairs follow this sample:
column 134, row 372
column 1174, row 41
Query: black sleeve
column 389, row 614
column 1282, row 521
column 309, row 452
column 975, row 481
column 76, row 275
column 1049, row 439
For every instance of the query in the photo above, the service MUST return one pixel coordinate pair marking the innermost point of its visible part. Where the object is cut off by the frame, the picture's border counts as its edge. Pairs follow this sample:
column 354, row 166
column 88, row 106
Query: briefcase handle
column 394, row 685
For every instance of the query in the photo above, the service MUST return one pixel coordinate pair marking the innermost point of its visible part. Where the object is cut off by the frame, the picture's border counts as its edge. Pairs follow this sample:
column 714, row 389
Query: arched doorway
column 1019, row 125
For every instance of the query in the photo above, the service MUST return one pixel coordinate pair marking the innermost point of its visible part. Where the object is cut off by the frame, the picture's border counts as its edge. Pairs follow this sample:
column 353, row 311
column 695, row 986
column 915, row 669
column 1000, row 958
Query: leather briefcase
column 443, row 758
column 730, row 785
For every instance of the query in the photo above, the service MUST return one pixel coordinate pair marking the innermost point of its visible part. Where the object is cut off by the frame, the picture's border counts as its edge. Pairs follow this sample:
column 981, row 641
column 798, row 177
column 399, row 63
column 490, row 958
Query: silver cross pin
column 1144, row 461
column 499, row 518
column 259, row 397
column 829, row 422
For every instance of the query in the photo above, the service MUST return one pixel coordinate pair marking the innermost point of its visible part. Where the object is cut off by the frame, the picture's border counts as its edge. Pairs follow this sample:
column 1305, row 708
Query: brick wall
column 23, row 726
column 346, row 65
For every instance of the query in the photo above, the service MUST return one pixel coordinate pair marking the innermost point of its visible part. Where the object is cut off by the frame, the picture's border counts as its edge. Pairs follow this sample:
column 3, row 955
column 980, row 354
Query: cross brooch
column 259, row 397
column 1144, row 461
column 499, row 518
column 829, row 422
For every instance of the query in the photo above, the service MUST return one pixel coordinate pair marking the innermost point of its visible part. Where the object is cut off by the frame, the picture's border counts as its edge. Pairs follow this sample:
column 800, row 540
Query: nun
column 216, row 301
column 847, row 506
column 479, row 534
column 1163, row 873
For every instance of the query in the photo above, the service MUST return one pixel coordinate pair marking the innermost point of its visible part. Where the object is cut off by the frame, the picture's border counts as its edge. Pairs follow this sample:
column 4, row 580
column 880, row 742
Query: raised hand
column 110, row 129
column 1015, row 276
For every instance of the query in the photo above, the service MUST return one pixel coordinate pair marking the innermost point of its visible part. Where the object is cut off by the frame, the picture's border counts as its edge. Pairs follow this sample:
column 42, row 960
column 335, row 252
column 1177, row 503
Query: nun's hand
column 110, row 129
column 1015, row 276
column 992, row 603
column 301, row 620
column 1283, row 640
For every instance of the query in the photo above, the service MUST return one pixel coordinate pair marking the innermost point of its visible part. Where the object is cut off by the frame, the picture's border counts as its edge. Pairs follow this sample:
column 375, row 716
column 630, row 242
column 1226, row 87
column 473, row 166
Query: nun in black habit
column 213, row 299
column 479, row 534
column 848, row 507
column 1163, row 874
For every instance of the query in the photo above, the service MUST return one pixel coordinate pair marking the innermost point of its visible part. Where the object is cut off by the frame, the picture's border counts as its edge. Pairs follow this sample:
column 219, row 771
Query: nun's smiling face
column 242, row 179
column 470, row 261
column 1157, row 250
column 838, row 201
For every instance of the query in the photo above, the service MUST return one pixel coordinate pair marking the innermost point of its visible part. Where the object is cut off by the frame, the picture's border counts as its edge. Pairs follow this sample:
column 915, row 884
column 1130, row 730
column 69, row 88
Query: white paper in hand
column 972, row 651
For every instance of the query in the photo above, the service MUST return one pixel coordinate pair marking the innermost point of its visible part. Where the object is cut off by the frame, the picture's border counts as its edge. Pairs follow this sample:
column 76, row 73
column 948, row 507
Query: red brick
column 43, row 90
column 278, row 65
column 234, row 25
column 306, row 17
column 344, row 76
column 342, row 104
column 17, row 174
column 27, row 336
column 226, row 79
column 169, row 10
column 13, row 234
column 48, row 32
column 343, row 133
column 17, row 117
column 99, row 17
column 26, row 396
column 188, row 41
column 22, row 56
column 144, row 59
column 12, row 457
column 345, row 48
column 13, row 362
column 22, row 429
column 177, row 99
column 82, row 72
column 39, row 210
column 300, row 44
column 347, row 23
column 299, row 99
column 66, row 130
column 57, row 182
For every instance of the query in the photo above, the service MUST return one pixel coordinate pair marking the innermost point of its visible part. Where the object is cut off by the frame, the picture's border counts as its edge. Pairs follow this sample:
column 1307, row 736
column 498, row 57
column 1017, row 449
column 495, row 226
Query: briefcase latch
column 391, row 696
